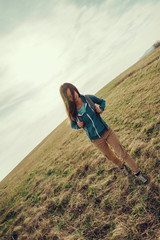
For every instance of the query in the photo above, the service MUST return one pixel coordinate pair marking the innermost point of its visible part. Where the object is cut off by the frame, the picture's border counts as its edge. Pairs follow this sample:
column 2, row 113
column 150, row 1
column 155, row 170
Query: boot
column 124, row 169
column 141, row 177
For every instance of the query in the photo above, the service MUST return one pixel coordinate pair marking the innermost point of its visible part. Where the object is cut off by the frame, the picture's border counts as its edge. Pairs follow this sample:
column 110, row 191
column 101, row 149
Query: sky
column 44, row 43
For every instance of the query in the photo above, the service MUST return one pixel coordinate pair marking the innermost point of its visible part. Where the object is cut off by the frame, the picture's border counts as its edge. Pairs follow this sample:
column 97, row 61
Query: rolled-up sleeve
column 101, row 102
column 74, row 125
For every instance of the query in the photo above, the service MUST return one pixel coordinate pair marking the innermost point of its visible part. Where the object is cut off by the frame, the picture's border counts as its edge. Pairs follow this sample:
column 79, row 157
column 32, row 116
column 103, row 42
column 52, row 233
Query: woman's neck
column 79, row 103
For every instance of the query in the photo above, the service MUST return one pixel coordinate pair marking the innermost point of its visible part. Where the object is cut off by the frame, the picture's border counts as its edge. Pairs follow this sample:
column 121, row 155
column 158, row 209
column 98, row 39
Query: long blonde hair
column 69, row 105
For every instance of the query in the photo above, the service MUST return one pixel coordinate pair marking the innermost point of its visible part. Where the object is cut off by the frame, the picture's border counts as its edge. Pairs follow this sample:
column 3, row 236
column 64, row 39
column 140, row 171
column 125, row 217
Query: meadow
column 65, row 189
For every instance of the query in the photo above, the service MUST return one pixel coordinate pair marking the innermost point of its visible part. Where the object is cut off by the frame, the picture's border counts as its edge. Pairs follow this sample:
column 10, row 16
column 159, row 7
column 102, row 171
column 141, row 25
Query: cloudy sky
column 44, row 43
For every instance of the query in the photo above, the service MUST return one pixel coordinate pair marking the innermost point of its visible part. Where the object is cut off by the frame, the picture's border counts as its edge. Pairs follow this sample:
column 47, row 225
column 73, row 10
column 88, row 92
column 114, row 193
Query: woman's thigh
column 102, row 145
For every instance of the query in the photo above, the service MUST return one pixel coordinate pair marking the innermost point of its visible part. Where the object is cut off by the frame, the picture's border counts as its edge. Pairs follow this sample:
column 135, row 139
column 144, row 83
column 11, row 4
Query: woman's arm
column 101, row 102
column 74, row 125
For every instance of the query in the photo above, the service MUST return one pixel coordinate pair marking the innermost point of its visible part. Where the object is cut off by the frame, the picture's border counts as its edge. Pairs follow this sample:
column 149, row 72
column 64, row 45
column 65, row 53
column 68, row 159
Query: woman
column 82, row 113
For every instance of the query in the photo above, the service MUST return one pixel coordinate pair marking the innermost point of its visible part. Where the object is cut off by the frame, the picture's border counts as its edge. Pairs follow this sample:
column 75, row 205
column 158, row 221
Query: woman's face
column 69, row 94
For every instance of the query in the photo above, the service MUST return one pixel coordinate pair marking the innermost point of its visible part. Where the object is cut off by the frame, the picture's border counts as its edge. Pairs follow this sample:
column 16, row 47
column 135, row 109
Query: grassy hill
column 65, row 189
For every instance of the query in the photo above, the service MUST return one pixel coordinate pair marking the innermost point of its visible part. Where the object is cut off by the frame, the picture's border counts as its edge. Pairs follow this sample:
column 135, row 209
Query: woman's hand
column 98, row 110
column 80, row 124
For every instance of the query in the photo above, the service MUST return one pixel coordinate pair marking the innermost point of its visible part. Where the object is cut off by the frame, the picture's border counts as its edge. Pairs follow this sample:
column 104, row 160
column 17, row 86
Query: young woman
column 82, row 113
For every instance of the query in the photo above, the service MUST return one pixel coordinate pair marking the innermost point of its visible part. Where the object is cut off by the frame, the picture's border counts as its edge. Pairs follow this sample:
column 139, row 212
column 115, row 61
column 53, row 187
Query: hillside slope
column 66, row 189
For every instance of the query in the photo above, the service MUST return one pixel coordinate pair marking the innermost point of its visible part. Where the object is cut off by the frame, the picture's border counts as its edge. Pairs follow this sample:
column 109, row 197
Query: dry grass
column 66, row 190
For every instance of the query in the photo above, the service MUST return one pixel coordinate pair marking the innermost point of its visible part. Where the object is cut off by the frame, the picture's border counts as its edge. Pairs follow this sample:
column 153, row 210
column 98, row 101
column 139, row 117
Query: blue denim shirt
column 94, row 125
